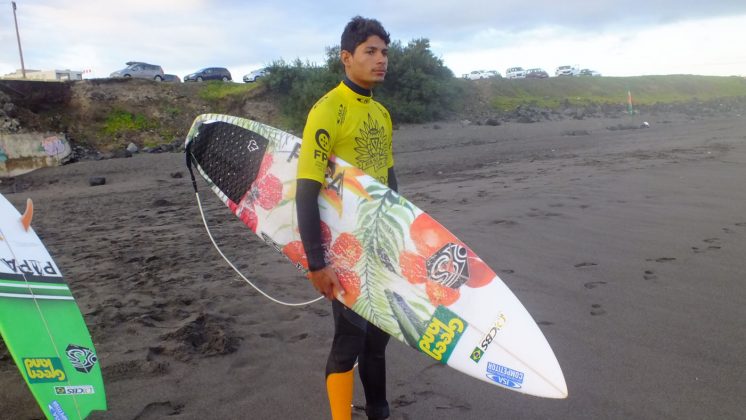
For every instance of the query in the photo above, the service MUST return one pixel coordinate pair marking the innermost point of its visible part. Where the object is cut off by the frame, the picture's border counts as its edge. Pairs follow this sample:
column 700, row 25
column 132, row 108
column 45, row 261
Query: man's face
column 367, row 65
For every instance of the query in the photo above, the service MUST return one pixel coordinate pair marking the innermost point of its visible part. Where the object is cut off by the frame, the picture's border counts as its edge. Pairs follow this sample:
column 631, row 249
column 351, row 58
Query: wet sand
column 627, row 246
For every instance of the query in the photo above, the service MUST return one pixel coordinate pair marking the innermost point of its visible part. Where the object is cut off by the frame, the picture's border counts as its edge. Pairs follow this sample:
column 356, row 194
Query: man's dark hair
column 359, row 29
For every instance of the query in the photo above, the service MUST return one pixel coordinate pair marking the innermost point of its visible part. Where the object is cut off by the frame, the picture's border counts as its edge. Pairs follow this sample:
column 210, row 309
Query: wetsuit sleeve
column 318, row 140
column 309, row 222
column 393, row 184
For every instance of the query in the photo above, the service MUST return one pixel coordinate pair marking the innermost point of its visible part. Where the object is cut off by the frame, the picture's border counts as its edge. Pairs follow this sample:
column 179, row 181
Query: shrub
column 418, row 87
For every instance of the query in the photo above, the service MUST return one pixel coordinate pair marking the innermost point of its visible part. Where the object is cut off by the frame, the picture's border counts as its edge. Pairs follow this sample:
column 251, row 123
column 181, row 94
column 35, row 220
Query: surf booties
column 355, row 339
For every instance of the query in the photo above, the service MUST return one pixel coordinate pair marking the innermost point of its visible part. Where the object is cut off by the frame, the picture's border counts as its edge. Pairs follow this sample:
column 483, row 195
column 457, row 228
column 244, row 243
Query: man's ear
column 346, row 57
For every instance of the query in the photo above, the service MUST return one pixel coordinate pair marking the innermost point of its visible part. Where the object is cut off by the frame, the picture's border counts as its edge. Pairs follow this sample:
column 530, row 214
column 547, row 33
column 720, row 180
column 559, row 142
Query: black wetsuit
column 335, row 126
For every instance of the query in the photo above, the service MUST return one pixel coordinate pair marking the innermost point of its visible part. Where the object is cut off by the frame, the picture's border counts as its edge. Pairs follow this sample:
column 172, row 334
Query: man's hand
column 326, row 282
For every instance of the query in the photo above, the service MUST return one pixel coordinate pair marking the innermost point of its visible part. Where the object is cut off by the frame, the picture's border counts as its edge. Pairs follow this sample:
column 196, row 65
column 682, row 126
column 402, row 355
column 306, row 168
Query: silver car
column 254, row 75
column 140, row 70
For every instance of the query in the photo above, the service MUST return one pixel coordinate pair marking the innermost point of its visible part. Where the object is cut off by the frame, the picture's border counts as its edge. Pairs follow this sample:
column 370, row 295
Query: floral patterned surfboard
column 400, row 269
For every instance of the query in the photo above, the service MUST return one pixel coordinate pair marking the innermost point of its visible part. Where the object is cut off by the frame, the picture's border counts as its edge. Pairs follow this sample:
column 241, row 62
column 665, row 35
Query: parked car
column 589, row 72
column 251, row 77
column 515, row 73
column 171, row 78
column 209, row 73
column 481, row 74
column 140, row 70
column 536, row 74
column 567, row 71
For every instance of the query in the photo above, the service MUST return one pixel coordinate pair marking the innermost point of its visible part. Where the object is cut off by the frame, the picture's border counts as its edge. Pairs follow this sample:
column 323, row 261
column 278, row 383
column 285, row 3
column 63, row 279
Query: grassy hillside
column 558, row 92
column 107, row 114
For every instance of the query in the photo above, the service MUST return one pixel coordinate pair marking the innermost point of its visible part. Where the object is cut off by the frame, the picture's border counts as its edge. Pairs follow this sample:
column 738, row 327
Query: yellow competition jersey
column 349, row 124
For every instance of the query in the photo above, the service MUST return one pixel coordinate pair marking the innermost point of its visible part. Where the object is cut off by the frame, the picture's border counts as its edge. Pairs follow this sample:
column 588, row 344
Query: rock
column 122, row 154
column 576, row 133
column 177, row 175
column 132, row 148
column 10, row 109
column 436, row 127
column 96, row 180
column 492, row 121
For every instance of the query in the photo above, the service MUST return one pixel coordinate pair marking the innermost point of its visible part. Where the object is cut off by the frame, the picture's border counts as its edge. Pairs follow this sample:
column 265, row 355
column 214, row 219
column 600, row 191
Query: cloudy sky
column 617, row 38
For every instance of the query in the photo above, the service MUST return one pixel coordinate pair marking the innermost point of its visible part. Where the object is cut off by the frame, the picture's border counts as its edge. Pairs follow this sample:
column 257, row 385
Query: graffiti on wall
column 53, row 146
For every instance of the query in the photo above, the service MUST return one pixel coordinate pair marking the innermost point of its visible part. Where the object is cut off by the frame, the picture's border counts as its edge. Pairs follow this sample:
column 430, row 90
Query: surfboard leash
column 217, row 248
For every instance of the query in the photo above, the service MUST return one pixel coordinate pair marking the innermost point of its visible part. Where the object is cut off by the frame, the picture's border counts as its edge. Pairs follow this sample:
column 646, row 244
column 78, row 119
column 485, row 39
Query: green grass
column 216, row 91
column 119, row 122
column 646, row 90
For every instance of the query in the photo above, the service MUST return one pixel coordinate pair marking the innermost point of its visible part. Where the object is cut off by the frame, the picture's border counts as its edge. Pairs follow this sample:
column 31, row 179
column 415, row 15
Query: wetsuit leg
column 372, row 367
column 349, row 339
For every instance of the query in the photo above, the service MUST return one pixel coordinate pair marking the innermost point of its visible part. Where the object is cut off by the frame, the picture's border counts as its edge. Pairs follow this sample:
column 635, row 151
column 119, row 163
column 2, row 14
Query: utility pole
column 18, row 37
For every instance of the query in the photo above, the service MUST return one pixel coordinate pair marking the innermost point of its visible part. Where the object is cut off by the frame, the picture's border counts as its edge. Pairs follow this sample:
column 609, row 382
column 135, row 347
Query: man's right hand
column 326, row 282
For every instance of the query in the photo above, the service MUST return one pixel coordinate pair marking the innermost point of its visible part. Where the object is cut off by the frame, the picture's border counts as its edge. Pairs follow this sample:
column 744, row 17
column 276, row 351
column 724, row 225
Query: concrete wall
column 21, row 153
column 48, row 75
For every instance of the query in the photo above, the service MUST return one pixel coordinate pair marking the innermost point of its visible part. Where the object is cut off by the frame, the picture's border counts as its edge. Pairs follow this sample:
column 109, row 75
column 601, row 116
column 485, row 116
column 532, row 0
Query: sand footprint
column 160, row 409
column 661, row 260
column 711, row 247
column 585, row 264
column 593, row 284
column 296, row 338
column 649, row 275
column 504, row 222
column 596, row 309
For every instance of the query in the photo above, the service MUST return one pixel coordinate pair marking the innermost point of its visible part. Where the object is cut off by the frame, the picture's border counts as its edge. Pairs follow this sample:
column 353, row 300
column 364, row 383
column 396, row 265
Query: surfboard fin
column 27, row 215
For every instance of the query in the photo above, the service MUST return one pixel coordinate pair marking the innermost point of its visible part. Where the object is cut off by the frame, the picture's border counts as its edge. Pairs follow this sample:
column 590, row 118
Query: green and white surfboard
column 41, row 324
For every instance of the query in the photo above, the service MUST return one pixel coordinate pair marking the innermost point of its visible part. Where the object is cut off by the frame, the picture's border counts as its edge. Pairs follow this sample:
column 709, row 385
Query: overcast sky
column 616, row 38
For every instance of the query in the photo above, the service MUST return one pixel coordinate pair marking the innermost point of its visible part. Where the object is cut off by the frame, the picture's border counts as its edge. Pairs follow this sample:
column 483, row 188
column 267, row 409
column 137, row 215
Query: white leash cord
column 204, row 221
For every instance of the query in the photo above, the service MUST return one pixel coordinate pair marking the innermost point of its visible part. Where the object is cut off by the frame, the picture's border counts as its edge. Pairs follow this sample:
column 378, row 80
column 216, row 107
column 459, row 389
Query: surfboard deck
column 401, row 269
column 42, row 326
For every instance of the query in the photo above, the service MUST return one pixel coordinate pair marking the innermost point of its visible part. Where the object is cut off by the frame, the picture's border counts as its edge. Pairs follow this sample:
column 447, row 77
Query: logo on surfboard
column 449, row 266
column 505, row 376
column 479, row 351
column 44, row 369
column 442, row 333
column 74, row 390
column 55, row 409
column 81, row 358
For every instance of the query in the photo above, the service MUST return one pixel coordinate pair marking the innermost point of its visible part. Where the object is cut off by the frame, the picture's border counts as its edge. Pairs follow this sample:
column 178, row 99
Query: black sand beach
column 627, row 246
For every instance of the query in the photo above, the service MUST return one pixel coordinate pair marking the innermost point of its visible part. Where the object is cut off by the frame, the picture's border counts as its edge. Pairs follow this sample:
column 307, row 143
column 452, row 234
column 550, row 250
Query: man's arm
column 309, row 222
column 322, row 277
column 393, row 184
column 318, row 139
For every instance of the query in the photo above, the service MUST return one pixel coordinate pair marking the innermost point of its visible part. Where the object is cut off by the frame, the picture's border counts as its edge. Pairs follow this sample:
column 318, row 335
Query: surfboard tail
column 41, row 324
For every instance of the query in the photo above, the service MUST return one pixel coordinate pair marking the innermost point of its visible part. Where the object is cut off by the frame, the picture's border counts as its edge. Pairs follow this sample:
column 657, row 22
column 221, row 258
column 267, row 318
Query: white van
column 515, row 73
column 567, row 71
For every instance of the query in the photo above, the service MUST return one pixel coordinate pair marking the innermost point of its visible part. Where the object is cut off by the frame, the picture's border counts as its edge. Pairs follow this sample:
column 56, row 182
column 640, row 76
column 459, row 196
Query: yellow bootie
column 339, row 388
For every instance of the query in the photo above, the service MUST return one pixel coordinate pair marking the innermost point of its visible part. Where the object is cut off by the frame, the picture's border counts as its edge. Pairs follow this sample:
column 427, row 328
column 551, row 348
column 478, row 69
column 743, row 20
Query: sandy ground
column 627, row 246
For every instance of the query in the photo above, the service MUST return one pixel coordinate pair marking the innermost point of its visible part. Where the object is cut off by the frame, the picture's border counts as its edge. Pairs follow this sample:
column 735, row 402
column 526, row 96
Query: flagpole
column 18, row 37
column 629, row 102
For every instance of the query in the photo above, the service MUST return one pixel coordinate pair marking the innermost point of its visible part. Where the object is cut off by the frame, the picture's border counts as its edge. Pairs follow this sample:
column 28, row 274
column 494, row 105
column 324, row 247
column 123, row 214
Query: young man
column 348, row 123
